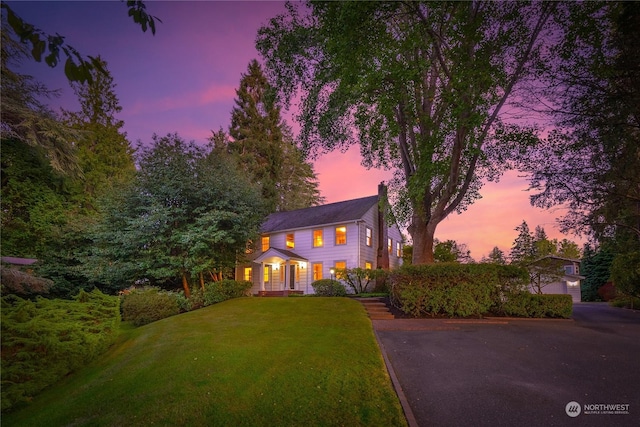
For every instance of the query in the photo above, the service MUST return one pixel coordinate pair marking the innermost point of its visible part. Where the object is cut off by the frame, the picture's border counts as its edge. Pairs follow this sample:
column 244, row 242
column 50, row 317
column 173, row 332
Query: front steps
column 376, row 308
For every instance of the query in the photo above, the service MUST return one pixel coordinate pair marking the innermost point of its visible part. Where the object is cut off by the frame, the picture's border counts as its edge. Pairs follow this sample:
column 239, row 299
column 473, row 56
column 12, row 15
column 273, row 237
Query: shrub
column 44, row 340
column 549, row 305
column 454, row 289
column 607, row 292
column 146, row 305
column 360, row 279
column 328, row 288
column 215, row 292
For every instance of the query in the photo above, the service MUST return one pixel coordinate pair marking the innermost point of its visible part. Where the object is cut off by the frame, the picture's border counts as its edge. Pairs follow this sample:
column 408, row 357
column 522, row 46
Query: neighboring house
column 556, row 275
column 301, row 246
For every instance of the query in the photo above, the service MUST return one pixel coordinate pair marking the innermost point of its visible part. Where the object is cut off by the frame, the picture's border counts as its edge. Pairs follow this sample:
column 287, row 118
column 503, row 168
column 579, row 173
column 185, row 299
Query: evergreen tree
column 542, row 245
column 25, row 118
column 104, row 154
column 596, row 267
column 523, row 249
column 265, row 149
column 496, row 256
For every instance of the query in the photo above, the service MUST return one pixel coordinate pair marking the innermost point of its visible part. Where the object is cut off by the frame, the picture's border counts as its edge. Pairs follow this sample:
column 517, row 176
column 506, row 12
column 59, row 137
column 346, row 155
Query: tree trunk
column 202, row 281
column 185, row 285
column 422, row 234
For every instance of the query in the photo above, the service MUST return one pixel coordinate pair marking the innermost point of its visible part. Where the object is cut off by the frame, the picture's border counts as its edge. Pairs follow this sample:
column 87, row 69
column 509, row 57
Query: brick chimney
column 383, row 234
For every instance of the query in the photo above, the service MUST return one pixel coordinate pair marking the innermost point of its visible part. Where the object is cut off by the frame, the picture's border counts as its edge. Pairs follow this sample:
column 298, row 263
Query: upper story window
column 341, row 235
column 290, row 241
column 265, row 243
column 318, row 239
column 389, row 245
column 368, row 239
column 398, row 249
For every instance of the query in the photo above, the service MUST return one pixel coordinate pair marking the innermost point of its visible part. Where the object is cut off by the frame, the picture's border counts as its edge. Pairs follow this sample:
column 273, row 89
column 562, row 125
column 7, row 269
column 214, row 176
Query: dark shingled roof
column 349, row 210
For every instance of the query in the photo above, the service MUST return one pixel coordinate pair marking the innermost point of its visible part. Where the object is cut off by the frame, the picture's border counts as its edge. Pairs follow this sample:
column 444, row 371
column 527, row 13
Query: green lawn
column 249, row 361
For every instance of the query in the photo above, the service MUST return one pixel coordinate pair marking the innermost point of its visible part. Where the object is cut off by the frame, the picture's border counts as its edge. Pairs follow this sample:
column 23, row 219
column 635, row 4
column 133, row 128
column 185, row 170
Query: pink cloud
column 210, row 95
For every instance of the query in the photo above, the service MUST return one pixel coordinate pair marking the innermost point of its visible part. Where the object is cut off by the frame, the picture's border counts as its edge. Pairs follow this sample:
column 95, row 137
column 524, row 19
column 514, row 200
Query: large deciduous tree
column 265, row 149
column 189, row 213
column 419, row 86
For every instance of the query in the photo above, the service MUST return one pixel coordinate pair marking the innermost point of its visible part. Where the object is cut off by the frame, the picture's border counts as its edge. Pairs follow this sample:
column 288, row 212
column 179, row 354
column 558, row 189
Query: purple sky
column 183, row 80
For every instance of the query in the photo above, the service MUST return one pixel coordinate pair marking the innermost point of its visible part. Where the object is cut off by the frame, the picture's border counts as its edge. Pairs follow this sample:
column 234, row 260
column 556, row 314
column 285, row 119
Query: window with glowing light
column 248, row 274
column 318, row 240
column 341, row 235
column 265, row 243
column 368, row 237
column 317, row 271
column 290, row 241
column 340, row 266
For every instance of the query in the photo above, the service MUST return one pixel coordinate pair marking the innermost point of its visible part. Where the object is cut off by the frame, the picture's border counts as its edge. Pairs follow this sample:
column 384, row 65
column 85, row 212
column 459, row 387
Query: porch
column 280, row 273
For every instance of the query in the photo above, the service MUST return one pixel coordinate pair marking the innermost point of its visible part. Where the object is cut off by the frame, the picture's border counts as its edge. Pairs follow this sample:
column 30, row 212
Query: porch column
column 261, row 276
column 285, row 285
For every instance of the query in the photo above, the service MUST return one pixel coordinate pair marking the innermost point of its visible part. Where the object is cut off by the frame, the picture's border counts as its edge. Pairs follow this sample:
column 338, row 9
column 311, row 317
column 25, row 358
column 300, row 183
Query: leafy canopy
column 419, row 86
column 188, row 212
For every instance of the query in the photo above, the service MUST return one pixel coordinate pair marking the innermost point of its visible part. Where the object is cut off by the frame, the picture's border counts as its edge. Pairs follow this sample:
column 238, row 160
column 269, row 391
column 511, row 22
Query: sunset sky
column 183, row 80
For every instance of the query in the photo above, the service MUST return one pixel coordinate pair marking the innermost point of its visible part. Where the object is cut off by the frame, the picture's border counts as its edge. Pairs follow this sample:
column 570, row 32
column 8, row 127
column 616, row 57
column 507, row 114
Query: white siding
column 560, row 288
column 355, row 252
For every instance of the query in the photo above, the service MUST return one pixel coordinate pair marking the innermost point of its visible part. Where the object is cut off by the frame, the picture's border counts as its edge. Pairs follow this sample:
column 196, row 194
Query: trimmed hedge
column 44, row 340
column 223, row 290
column 463, row 290
column 328, row 288
column 146, row 305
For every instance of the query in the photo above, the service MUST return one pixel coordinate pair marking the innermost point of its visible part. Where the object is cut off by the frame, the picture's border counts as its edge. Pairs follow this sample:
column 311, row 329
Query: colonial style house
column 556, row 275
column 301, row 246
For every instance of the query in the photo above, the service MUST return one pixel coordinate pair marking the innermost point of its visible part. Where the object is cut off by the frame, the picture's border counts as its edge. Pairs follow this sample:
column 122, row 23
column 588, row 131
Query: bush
column 534, row 305
column 44, row 340
column 328, row 288
column 549, row 305
column 215, row 292
column 146, row 305
column 361, row 279
column 454, row 289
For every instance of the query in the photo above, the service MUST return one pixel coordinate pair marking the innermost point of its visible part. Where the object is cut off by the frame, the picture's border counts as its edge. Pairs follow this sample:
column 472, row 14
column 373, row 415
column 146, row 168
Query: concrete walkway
column 512, row 372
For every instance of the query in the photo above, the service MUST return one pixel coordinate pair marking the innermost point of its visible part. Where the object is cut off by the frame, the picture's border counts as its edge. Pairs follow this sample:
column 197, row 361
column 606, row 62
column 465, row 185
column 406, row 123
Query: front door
column 292, row 277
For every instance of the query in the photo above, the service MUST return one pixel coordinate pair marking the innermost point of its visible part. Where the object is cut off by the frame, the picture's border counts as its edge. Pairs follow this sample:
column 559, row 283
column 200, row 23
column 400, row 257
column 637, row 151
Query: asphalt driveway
column 499, row 372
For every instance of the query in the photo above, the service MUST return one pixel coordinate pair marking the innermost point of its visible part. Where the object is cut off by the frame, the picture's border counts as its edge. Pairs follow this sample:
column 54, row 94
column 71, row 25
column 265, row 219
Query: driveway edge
column 406, row 408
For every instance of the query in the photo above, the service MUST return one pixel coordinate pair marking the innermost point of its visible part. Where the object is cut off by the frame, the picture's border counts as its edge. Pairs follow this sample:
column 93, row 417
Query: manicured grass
column 245, row 362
